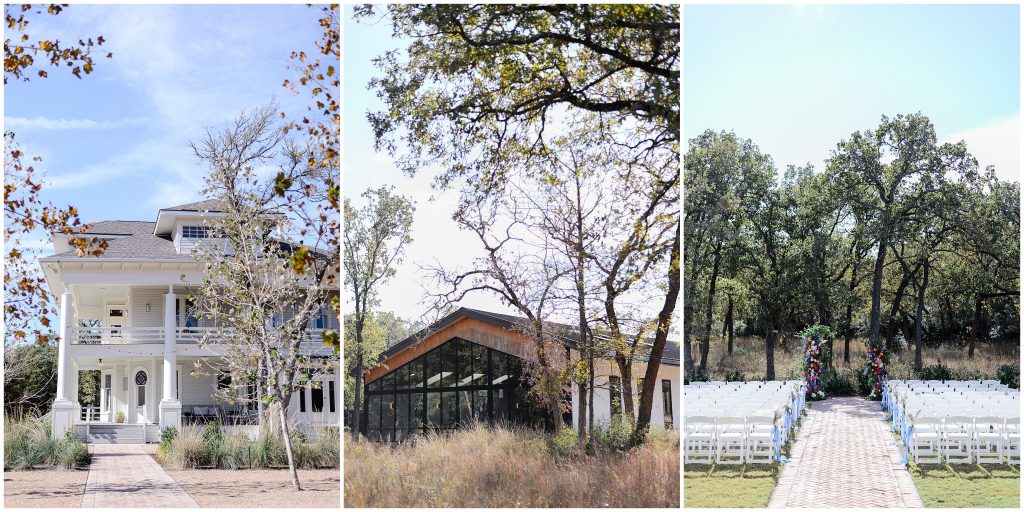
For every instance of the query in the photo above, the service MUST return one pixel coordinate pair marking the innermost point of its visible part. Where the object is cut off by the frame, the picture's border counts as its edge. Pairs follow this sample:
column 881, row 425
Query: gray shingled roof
column 212, row 205
column 122, row 227
column 142, row 244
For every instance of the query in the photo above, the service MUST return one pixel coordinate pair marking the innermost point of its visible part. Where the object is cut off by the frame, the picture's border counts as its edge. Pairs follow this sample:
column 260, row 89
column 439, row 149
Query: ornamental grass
column 500, row 466
column 28, row 445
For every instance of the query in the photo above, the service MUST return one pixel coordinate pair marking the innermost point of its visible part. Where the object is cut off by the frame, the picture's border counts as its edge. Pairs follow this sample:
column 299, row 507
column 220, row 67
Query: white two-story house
column 126, row 314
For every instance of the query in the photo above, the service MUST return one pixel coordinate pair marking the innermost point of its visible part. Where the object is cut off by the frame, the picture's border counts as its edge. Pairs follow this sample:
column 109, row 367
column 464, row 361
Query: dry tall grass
column 748, row 358
column 502, row 467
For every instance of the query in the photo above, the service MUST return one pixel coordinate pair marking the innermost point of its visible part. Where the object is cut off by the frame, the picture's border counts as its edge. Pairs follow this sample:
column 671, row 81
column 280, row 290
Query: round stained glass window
column 140, row 378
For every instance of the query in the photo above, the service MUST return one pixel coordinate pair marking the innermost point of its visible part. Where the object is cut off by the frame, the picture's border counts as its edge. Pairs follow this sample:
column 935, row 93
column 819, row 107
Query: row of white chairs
column 955, row 421
column 740, row 422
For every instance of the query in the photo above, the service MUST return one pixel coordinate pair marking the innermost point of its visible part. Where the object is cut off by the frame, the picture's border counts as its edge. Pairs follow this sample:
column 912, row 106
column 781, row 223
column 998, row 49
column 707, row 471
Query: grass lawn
column 713, row 486
column 967, row 486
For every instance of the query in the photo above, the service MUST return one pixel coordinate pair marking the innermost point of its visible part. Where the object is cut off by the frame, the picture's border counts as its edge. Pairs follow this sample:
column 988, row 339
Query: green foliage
column 699, row 375
column 935, row 372
column 614, row 435
column 1009, row 374
column 565, row 443
column 735, row 376
column 840, row 383
column 27, row 445
column 35, row 387
column 875, row 369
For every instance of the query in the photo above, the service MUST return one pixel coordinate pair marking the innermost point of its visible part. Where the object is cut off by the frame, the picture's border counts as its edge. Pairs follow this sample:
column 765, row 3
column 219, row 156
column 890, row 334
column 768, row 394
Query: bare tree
column 265, row 278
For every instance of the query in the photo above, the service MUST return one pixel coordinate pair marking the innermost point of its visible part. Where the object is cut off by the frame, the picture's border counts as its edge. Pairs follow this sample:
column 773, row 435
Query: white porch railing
column 89, row 413
column 155, row 335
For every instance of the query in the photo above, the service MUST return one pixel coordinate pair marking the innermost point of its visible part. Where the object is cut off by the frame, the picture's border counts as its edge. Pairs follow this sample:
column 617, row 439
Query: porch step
column 114, row 434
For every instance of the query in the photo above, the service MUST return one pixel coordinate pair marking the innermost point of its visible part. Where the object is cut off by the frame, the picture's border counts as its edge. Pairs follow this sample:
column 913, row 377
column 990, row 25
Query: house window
column 302, row 399
column 615, row 395
column 330, row 395
column 317, row 397
column 666, row 399
column 320, row 322
column 197, row 232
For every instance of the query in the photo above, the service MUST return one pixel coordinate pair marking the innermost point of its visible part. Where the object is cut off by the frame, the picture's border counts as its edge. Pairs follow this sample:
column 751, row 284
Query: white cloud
column 44, row 123
column 996, row 143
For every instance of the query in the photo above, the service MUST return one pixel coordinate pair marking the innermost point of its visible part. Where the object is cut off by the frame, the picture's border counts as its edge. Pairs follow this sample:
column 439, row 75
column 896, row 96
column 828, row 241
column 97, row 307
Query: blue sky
column 115, row 144
column 435, row 235
column 799, row 78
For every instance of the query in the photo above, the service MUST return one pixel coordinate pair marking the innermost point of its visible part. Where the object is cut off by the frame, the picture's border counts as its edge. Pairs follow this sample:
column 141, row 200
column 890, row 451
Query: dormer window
column 197, row 232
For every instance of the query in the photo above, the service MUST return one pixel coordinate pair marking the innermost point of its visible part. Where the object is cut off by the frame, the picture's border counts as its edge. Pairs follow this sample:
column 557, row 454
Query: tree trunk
column 894, row 309
column 729, row 324
column 769, row 353
column 359, row 383
column 918, row 324
column 976, row 334
column 875, row 323
column 688, row 296
column 288, row 446
column 590, row 391
column 705, row 341
column 643, row 420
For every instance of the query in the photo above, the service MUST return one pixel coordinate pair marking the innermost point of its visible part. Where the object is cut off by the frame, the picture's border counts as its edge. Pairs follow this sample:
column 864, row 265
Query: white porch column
column 63, row 416
column 170, row 405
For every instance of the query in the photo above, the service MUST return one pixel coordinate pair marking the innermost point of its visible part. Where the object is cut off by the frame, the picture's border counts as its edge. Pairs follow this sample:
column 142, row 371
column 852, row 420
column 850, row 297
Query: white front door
column 116, row 320
column 140, row 384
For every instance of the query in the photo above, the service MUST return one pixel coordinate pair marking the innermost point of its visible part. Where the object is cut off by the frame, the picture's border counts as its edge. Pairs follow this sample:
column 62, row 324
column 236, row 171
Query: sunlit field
column 499, row 467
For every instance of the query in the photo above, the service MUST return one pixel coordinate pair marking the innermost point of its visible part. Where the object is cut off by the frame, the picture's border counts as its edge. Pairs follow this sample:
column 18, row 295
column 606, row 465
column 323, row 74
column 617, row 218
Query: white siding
column 152, row 295
column 602, row 393
column 196, row 389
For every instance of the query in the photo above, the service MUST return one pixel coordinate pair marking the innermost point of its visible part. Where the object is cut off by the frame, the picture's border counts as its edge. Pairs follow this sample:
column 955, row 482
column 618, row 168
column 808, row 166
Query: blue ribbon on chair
column 906, row 447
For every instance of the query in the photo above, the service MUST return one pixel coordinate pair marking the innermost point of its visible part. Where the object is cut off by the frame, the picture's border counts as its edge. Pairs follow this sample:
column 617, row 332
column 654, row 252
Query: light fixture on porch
column 147, row 308
column 124, row 383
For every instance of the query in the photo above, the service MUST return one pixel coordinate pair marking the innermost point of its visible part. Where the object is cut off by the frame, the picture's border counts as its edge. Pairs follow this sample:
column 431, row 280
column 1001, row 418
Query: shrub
column 565, row 443
column 735, row 376
column 236, row 451
column 69, row 452
column 935, row 372
column 187, row 450
column 27, row 444
column 268, row 450
column 613, row 436
column 840, row 384
column 699, row 375
column 326, row 446
column 1009, row 374
column 213, row 444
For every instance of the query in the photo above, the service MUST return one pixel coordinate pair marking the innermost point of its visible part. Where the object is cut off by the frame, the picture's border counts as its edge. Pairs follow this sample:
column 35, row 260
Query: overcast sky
column 797, row 79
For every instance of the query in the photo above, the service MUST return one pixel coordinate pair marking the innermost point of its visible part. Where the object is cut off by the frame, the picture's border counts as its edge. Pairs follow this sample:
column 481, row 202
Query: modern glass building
column 467, row 368
column 456, row 383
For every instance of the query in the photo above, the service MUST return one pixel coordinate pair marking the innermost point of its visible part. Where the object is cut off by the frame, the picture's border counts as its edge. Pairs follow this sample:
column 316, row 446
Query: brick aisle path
column 124, row 475
column 844, row 456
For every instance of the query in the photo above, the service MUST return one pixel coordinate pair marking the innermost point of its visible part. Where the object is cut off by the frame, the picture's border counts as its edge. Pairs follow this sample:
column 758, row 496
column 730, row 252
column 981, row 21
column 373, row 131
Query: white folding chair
column 925, row 439
column 730, row 442
column 957, row 438
column 987, row 445
column 699, row 436
column 1011, row 441
column 760, row 442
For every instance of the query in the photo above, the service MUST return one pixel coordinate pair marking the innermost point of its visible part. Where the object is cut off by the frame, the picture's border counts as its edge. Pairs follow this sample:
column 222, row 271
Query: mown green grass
column 714, row 486
column 967, row 486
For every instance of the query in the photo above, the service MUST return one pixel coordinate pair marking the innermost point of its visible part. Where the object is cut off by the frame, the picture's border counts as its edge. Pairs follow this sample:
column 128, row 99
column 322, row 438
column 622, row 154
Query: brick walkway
column 124, row 475
column 844, row 456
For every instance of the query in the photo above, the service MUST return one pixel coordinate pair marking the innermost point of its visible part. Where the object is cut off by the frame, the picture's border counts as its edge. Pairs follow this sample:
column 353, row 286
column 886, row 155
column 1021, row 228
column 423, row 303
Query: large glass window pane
column 465, row 360
column 387, row 412
column 433, row 368
column 373, row 387
column 433, row 410
column 317, row 399
column 451, row 410
column 466, row 407
column 502, row 404
column 479, row 365
column 415, row 368
column 402, row 377
column 515, row 369
column 417, row 411
column 402, row 419
column 389, row 382
column 373, row 412
column 499, row 363
column 449, row 364
column 480, row 408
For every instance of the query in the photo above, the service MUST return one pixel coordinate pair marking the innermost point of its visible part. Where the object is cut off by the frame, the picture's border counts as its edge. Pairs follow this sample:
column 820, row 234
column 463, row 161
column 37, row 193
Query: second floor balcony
column 155, row 335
